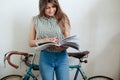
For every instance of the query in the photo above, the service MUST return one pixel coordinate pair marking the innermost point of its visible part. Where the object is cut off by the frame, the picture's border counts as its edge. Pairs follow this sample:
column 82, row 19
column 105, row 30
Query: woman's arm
column 32, row 35
column 67, row 27
column 67, row 30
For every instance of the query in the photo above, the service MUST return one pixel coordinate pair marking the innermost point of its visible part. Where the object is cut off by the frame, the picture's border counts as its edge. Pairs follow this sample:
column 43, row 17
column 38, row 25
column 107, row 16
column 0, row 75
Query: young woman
column 51, row 24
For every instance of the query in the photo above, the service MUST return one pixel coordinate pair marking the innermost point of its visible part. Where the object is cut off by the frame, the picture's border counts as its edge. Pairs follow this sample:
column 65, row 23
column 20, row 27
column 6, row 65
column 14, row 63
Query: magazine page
column 71, row 41
column 73, row 37
column 72, row 45
column 67, row 39
column 42, row 46
column 43, row 43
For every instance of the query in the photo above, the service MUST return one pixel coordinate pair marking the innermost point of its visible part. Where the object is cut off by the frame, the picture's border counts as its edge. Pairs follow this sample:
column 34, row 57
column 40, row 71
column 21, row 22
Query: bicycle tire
column 12, row 77
column 100, row 78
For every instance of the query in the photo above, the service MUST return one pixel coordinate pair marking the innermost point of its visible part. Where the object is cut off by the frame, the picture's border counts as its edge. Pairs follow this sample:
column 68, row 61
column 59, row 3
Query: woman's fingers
column 53, row 39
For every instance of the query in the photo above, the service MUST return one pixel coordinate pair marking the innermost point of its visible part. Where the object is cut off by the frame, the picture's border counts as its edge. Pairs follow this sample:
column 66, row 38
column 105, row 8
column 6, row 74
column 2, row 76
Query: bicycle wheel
column 100, row 78
column 12, row 77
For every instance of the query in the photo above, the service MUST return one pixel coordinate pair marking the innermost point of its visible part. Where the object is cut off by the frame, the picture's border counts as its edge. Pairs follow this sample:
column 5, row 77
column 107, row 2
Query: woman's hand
column 53, row 39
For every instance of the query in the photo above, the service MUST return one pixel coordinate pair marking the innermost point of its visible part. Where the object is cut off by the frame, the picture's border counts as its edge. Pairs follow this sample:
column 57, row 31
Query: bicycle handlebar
column 15, row 53
column 73, row 54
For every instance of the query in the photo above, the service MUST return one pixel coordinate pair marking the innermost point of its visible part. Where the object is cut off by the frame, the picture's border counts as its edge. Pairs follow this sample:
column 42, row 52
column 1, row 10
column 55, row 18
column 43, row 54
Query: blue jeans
column 51, row 62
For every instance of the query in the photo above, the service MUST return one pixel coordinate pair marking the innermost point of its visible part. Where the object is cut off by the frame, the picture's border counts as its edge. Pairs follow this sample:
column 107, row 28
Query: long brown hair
column 61, row 17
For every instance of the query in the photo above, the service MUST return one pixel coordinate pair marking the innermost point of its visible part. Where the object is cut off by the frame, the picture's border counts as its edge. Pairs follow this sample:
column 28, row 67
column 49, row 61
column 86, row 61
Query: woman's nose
column 51, row 9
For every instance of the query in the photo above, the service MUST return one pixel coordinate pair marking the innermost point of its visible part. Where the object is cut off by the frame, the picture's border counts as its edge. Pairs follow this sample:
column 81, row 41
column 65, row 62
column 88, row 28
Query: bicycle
column 31, row 66
column 80, row 70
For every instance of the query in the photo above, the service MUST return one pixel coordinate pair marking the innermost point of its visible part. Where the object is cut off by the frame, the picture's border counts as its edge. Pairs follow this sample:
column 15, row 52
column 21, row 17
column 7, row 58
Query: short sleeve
column 35, row 21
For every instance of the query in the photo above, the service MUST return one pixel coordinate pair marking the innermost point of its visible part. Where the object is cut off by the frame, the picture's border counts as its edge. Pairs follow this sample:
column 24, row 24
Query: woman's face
column 50, row 10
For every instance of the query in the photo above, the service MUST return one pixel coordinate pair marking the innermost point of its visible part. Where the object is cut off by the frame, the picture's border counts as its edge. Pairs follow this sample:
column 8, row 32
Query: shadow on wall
column 106, row 61
column 20, row 34
column 111, row 58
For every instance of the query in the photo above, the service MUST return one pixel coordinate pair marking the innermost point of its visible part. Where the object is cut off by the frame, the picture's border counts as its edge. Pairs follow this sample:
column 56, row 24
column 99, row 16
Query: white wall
column 97, row 23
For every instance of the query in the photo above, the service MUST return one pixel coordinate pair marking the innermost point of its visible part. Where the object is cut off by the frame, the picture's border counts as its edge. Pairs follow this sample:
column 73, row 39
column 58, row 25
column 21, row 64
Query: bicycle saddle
column 78, row 54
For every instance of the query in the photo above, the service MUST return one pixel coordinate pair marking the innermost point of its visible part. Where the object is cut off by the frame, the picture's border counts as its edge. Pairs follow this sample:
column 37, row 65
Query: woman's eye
column 50, row 7
column 47, row 8
column 53, row 7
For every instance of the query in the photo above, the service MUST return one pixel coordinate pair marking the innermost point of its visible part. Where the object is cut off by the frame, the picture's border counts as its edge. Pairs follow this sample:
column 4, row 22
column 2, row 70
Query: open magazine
column 71, row 41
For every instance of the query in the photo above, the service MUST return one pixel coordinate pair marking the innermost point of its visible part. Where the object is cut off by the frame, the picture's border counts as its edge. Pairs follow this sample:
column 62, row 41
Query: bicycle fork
column 29, row 73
